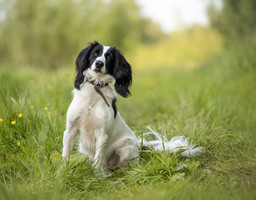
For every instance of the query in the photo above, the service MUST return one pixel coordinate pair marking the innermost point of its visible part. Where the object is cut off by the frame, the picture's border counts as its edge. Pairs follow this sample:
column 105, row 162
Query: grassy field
column 214, row 105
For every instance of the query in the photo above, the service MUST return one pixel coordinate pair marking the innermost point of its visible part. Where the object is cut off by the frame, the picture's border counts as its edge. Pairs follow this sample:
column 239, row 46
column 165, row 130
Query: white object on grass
column 161, row 143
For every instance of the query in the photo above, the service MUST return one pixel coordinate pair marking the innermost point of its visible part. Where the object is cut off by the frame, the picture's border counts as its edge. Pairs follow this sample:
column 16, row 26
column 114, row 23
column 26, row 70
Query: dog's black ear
column 82, row 63
column 123, row 74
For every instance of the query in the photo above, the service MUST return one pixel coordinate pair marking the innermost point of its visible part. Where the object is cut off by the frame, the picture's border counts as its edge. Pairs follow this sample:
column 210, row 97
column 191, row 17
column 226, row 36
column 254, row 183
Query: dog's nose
column 99, row 64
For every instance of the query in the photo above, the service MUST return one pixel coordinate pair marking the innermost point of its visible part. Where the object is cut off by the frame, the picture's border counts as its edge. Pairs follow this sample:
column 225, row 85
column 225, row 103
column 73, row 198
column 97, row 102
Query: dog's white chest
column 94, row 109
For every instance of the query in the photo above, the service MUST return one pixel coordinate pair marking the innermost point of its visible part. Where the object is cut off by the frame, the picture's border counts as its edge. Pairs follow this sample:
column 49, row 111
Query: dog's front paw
column 104, row 173
column 65, row 157
column 101, row 171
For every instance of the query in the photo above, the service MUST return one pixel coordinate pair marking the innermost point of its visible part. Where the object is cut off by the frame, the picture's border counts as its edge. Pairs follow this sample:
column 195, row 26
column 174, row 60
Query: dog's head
column 104, row 60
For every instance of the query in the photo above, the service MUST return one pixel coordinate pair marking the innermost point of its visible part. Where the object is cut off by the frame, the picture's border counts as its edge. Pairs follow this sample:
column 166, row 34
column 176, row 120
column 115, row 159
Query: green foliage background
column 50, row 33
column 236, row 20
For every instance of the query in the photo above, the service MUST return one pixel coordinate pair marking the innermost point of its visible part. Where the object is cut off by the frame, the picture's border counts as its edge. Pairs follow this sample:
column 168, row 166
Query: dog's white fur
column 108, row 141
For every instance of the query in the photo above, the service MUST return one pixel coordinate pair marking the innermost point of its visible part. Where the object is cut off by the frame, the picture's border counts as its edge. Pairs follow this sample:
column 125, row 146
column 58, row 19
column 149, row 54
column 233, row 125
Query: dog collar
column 96, row 84
column 97, row 89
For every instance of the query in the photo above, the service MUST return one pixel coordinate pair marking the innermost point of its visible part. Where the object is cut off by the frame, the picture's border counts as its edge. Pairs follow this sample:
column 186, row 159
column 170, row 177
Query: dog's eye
column 108, row 56
column 95, row 53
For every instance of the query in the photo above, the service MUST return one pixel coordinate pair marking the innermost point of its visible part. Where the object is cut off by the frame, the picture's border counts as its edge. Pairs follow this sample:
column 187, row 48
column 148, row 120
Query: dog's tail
column 175, row 145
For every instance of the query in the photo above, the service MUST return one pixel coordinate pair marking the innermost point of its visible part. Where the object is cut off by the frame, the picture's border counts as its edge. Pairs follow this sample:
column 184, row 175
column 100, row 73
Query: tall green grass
column 213, row 105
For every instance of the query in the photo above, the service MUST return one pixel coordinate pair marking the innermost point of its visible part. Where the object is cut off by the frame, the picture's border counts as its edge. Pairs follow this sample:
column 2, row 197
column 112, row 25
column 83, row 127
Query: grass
column 214, row 105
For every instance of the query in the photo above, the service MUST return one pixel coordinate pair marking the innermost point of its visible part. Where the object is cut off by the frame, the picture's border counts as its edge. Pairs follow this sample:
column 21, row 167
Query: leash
column 97, row 89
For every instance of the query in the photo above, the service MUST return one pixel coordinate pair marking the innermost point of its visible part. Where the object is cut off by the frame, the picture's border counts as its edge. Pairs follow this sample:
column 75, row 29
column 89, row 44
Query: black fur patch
column 84, row 61
column 114, row 107
column 123, row 74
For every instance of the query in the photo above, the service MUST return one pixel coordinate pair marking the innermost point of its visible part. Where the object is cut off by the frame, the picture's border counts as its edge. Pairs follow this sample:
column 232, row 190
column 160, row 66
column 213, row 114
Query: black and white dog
column 93, row 115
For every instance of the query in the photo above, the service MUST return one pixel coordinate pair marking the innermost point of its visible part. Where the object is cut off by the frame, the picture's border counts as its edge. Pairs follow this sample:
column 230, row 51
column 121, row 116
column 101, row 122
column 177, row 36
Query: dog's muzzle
column 98, row 66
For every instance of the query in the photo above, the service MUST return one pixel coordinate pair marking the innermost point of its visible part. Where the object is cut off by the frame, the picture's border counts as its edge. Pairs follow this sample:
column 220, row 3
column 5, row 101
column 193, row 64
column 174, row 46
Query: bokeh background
column 49, row 34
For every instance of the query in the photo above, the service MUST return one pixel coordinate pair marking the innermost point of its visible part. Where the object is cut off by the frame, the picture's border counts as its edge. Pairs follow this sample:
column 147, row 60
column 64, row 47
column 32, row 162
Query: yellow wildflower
column 31, row 107
column 18, row 143
column 46, row 108
column 20, row 115
column 1, row 120
column 49, row 113
column 13, row 122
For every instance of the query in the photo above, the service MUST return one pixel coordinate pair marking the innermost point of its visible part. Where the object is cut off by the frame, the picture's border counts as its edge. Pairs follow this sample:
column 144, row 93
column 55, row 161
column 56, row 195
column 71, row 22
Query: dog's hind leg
column 126, row 152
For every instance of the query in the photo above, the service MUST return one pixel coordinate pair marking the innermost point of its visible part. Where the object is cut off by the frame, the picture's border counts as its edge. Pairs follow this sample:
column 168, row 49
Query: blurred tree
column 151, row 31
column 50, row 33
column 236, row 20
column 120, row 24
column 42, row 33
